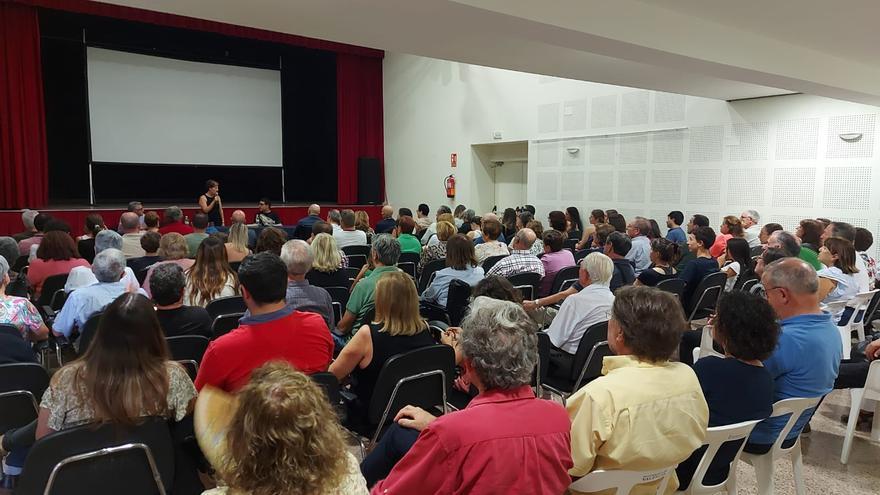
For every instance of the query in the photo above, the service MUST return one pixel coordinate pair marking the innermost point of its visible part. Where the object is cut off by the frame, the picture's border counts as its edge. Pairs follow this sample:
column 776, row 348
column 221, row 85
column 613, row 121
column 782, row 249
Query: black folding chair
column 408, row 263
column 489, row 262
column 107, row 459
column 351, row 273
column 705, row 296
column 224, row 324
column 188, row 350
column 543, row 365
column 457, row 301
column 580, row 254
column 19, row 263
column 587, row 363
column 235, row 264
column 21, row 389
column 357, row 255
column 673, row 286
column 564, row 279
column 88, row 331
column 428, row 272
column 52, row 294
column 570, row 244
column 526, row 283
column 748, row 284
column 225, row 306
column 339, row 298
column 141, row 275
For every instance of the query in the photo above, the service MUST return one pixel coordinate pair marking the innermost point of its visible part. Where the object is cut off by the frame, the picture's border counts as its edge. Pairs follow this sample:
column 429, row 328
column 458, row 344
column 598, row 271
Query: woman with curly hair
column 271, row 239
column 736, row 386
column 211, row 276
column 284, row 439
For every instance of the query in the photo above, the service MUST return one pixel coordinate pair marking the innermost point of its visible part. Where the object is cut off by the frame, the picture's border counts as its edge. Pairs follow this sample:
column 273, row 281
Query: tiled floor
column 823, row 472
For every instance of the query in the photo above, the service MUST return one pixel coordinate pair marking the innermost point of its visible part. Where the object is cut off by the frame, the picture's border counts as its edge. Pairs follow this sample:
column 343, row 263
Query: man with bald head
column 387, row 224
column 521, row 259
column 129, row 226
column 304, row 225
column 807, row 357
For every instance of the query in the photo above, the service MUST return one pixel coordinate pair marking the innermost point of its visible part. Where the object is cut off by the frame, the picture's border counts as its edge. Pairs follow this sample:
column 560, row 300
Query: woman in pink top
column 731, row 226
column 57, row 255
column 555, row 258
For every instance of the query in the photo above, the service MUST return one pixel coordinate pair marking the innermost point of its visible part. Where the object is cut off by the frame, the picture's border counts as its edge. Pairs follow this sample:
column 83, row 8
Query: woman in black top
column 575, row 225
column 737, row 387
column 210, row 203
column 664, row 256
column 327, row 265
column 508, row 224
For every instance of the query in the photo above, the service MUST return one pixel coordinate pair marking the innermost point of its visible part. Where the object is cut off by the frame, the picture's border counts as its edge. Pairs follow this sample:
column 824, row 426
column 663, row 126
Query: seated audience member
column 459, row 215
column 172, row 249
column 150, row 244
column 555, row 259
column 137, row 208
column 738, row 264
column 297, row 257
column 769, row 256
column 19, row 311
column 846, row 231
column 617, row 221
column 404, row 212
column 237, row 243
column 790, row 245
column 617, row 245
column 538, row 228
column 271, row 239
column 597, row 217
column 437, row 251
column 580, row 311
column 768, row 229
column 490, row 246
column 508, row 223
column 574, row 224
column 792, row 290
column 24, row 245
column 730, row 227
column 129, row 227
column 655, row 230
column 387, row 224
column 109, row 269
column 556, row 220
column 751, row 228
column 664, row 256
column 461, row 264
column 174, row 219
column 151, row 221
column 304, row 225
column 326, row 267
column 864, row 241
column 103, row 387
column 623, row 419
column 404, row 230
column 284, row 438
column 210, row 277
column 423, row 221
column 521, row 259
column 349, row 235
column 496, row 288
column 824, row 221
column 699, row 242
column 167, row 289
column 853, row 373
column 265, row 217
column 396, row 328
column 639, row 231
column 85, row 244
column 9, row 250
column 56, row 255
column 433, row 239
column 271, row 331
column 836, row 280
column 383, row 256
column 478, row 233
column 27, row 219
column 810, row 234
column 429, row 232
column 53, row 225
column 498, row 345
column 676, row 234
column 737, row 386
column 362, row 223
column 82, row 276
column 687, row 255
column 199, row 225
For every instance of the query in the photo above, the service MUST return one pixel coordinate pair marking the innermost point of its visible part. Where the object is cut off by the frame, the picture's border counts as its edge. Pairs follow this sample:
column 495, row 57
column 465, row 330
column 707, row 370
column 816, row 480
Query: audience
column 384, row 254
column 491, row 246
column 617, row 221
column 482, row 447
column 428, row 234
column 461, row 264
column 19, row 311
column 730, row 227
column 237, row 243
column 210, row 277
column 847, row 232
column 150, row 244
column 810, row 234
column 387, row 224
column 174, row 317
column 625, row 418
column 85, row 244
column 82, row 276
column 640, row 245
column 28, row 218
column 174, row 219
column 555, row 259
column 172, row 249
column 580, row 311
column 617, row 246
column 129, row 227
column 271, row 330
column 348, row 235
column 9, row 251
column 301, row 295
column 151, row 221
column 738, row 264
column 597, row 217
column 265, row 217
column 57, row 255
column 437, row 251
column 24, row 245
column 768, row 229
column 520, row 260
column 699, row 242
column 751, row 228
column 497, row 288
column 362, row 223
column 423, row 221
column 193, row 240
column 434, row 239
column 271, row 239
column 326, row 266
column 863, row 241
column 836, row 280
column 304, row 225
column 537, row 227
column 674, row 220
column 508, row 223
column 664, row 256
column 404, row 233
column 573, row 222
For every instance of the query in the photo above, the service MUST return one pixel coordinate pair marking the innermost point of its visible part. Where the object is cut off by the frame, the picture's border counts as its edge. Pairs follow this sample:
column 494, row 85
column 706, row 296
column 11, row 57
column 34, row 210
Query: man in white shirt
column 131, row 235
column 81, row 276
column 348, row 235
column 640, row 252
column 334, row 218
column 580, row 311
column 750, row 219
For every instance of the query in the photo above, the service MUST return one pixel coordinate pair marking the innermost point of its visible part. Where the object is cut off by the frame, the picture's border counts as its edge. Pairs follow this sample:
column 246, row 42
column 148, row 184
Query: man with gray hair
column 27, row 219
column 384, row 255
column 167, row 283
column 789, row 244
column 9, row 249
column 347, row 235
column 751, row 225
column 334, row 218
column 81, row 276
column 301, row 295
column 640, row 252
column 807, row 357
column 580, row 311
column 498, row 346
column 521, row 259
column 387, row 224
column 108, row 269
column 174, row 216
column 131, row 235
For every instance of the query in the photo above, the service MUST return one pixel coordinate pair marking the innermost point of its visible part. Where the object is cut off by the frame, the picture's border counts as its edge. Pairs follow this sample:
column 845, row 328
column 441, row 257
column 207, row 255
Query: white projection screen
column 154, row 110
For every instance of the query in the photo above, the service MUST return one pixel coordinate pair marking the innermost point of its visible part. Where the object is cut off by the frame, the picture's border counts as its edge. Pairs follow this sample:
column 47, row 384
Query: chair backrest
column 673, row 286
column 542, row 367
column 489, row 262
column 795, row 408
column 717, row 436
column 580, row 254
column 330, row 385
column 101, row 460
column 351, row 272
column 339, row 299
column 50, row 286
column 593, row 335
column 527, row 284
column 357, row 255
column 871, row 308
column 224, row 324
column 564, row 279
column 592, row 368
column 141, row 275
column 20, row 263
column 748, row 284
column 186, row 347
column 570, row 244
column 860, row 303
column 457, row 300
column 88, row 331
column 408, row 263
column 225, row 306
column 622, row 482
column 705, row 296
column 428, row 271
column 21, row 388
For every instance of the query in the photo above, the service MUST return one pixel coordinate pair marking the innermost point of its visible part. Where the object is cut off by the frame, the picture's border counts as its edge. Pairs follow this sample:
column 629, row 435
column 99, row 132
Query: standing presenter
column 210, row 203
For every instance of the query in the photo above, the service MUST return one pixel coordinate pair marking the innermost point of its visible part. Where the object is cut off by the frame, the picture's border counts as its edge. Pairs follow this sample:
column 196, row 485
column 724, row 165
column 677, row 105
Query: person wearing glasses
column 266, row 217
column 751, row 227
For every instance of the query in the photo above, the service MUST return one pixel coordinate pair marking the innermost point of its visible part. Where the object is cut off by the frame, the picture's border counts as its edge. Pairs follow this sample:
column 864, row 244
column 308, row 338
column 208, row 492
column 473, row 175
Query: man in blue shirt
column 640, row 253
column 304, row 226
column 675, row 232
column 806, row 360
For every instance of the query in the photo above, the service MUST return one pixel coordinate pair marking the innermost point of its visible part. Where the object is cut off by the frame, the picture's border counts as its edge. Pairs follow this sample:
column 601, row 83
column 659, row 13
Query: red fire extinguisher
column 449, row 183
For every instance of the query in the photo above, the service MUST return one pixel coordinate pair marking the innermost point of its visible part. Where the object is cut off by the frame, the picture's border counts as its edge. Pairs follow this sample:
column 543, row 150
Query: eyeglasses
column 768, row 289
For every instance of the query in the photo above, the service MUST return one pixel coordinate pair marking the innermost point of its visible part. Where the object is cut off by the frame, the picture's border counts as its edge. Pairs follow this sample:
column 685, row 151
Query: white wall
column 641, row 152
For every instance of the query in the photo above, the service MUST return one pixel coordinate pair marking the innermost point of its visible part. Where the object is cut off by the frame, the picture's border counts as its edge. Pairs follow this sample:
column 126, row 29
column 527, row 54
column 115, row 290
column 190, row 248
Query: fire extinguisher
column 449, row 183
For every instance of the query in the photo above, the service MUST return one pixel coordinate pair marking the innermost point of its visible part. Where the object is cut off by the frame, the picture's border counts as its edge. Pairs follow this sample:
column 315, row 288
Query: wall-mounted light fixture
column 851, row 137
column 574, row 150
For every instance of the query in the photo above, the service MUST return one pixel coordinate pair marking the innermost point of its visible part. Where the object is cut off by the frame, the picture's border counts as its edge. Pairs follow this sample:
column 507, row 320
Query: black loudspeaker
column 369, row 179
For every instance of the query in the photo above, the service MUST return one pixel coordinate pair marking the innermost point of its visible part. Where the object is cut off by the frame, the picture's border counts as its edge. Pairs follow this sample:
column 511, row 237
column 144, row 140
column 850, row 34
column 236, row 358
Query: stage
column 10, row 220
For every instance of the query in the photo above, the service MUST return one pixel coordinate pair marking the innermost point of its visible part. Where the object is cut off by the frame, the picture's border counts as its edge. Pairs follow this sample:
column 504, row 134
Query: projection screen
column 154, row 110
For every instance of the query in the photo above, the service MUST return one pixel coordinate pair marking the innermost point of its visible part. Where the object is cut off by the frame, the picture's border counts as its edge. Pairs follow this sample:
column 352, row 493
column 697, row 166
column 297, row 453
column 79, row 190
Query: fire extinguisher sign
column 453, row 160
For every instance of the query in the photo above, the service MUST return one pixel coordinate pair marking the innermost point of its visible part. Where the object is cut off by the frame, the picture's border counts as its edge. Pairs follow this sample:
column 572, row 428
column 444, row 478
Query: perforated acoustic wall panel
column 861, row 147
column 634, row 149
column 602, row 151
column 631, row 186
column 669, row 107
column 634, row 108
column 706, row 143
column 847, row 188
column 797, row 139
column 603, row 114
column 574, row 115
column 666, row 186
column 572, row 186
column 752, row 140
column 668, row 146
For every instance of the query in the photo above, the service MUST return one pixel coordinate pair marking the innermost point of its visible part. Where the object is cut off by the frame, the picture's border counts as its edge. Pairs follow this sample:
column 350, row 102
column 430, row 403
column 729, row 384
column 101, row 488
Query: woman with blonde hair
column 398, row 327
column 284, row 439
column 326, row 271
column 237, row 243
column 362, row 223
column 731, row 226
column 211, row 276
column 435, row 235
column 172, row 249
column 437, row 251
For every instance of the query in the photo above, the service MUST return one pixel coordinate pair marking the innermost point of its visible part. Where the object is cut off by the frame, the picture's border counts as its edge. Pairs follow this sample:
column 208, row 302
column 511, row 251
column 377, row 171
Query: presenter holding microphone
column 210, row 203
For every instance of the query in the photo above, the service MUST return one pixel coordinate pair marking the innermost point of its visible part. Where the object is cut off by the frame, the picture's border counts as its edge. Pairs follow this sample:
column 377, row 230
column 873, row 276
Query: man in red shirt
column 175, row 215
column 504, row 441
column 270, row 331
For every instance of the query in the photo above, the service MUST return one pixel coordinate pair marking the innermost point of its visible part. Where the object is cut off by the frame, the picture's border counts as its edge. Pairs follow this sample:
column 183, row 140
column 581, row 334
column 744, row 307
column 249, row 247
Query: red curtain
column 23, row 161
column 359, row 123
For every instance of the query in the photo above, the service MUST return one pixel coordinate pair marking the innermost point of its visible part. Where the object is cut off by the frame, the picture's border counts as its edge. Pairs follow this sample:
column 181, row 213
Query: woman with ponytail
column 664, row 256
